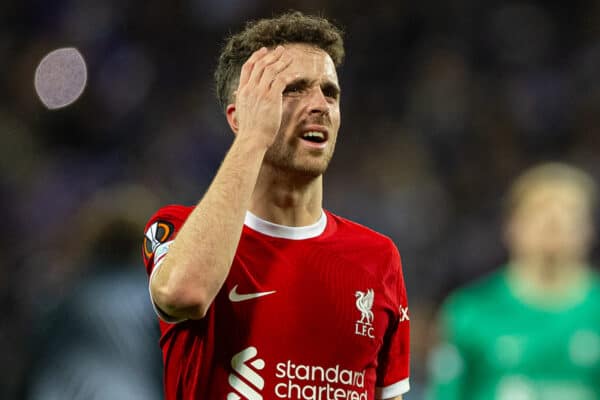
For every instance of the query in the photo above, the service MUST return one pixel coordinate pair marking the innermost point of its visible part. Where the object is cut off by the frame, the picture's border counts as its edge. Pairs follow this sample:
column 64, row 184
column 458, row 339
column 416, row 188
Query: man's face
column 553, row 221
column 311, row 114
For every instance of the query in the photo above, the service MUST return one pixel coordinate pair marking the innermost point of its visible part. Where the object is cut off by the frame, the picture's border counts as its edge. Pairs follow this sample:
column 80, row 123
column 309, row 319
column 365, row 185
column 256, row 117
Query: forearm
column 200, row 258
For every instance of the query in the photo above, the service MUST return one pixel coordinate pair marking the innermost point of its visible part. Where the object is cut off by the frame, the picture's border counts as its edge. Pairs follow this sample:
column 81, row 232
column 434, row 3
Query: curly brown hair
column 291, row 27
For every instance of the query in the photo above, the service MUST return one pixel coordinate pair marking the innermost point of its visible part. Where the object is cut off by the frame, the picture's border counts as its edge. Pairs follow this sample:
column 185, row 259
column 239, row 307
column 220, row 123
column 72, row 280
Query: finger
column 274, row 70
column 281, row 81
column 248, row 66
column 260, row 65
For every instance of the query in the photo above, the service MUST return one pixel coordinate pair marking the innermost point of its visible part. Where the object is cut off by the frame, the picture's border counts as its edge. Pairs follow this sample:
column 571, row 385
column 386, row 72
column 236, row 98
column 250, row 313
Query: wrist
column 250, row 143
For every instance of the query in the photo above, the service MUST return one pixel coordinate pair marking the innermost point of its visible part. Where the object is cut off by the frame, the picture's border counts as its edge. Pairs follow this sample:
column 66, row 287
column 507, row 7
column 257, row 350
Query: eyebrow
column 325, row 86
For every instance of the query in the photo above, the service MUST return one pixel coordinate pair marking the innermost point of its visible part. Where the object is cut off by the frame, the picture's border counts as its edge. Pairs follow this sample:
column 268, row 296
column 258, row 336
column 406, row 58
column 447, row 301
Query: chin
column 312, row 171
column 315, row 173
column 558, row 256
column 313, row 167
column 303, row 167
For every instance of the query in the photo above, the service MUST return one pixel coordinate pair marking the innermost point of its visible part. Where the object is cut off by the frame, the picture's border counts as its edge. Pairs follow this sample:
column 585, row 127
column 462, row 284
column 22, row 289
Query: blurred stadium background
column 443, row 104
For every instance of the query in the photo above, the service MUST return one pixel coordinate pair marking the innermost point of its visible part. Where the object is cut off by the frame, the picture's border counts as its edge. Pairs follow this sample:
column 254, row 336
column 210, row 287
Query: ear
column 510, row 233
column 231, row 116
column 508, row 229
column 590, row 233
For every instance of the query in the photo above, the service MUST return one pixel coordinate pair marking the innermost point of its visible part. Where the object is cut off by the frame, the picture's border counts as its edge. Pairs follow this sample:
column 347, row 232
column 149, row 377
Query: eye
column 292, row 89
column 331, row 92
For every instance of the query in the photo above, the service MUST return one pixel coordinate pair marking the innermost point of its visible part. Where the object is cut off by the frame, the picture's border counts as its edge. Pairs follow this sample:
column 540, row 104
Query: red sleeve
column 160, row 231
column 393, row 369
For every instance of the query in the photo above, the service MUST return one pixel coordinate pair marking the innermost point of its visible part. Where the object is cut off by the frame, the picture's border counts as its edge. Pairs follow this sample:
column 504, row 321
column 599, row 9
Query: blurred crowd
column 443, row 104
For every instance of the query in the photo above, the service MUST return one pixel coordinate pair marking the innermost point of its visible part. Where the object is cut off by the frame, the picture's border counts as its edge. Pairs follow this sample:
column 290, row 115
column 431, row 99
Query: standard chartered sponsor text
column 313, row 382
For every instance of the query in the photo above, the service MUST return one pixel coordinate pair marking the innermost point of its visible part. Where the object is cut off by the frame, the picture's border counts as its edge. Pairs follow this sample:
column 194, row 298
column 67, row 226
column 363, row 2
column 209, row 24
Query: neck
column 548, row 275
column 287, row 198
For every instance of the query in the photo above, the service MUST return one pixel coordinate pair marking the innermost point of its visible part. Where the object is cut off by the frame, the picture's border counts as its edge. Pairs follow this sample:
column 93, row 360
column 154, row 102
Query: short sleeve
column 393, row 368
column 159, row 233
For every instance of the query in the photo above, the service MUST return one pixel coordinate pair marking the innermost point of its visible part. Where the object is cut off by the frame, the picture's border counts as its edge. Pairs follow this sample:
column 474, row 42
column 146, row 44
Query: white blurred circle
column 584, row 348
column 446, row 363
column 60, row 77
column 515, row 387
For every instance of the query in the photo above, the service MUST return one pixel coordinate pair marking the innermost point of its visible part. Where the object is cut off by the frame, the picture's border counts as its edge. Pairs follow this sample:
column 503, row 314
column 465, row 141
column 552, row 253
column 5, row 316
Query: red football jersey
column 317, row 312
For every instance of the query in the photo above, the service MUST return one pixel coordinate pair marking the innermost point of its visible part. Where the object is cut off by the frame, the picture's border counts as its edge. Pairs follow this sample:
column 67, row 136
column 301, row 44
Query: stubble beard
column 282, row 156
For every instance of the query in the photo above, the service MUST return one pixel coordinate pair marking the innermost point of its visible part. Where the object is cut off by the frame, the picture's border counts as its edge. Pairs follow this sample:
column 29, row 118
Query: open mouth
column 314, row 137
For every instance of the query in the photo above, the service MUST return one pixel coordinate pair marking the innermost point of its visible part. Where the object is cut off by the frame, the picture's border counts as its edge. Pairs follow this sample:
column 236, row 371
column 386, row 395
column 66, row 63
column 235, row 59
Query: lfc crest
column 364, row 303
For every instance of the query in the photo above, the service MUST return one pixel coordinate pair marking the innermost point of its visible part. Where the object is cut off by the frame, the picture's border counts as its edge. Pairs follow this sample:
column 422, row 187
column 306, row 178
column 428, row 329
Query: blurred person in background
column 261, row 292
column 531, row 330
column 99, row 342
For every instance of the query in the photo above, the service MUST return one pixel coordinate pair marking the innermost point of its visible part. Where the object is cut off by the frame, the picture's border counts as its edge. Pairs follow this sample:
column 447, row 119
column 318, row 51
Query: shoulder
column 372, row 252
column 170, row 213
column 475, row 299
column 594, row 278
column 162, row 227
column 481, row 289
column 594, row 285
column 359, row 232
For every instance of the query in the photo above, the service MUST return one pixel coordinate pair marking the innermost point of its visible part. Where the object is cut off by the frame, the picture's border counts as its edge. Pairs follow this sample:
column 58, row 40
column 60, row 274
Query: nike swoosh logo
column 235, row 297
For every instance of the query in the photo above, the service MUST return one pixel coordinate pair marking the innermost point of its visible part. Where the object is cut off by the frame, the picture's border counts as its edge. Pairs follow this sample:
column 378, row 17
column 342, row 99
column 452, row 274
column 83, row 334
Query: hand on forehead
column 309, row 61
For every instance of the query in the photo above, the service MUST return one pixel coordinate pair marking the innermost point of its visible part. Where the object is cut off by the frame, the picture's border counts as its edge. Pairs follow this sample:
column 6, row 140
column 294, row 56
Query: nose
column 317, row 102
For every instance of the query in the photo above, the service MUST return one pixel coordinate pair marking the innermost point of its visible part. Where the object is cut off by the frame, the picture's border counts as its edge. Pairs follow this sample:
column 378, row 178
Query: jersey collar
column 286, row 232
